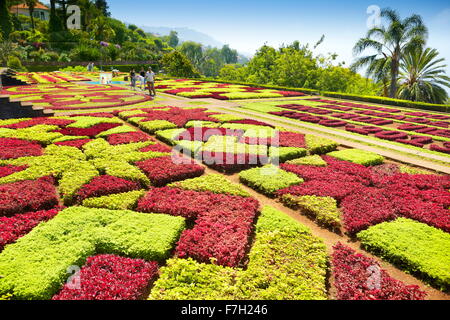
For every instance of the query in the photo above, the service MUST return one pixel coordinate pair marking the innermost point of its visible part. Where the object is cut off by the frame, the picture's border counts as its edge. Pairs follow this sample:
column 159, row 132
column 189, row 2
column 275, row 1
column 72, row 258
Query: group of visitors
column 90, row 67
column 146, row 79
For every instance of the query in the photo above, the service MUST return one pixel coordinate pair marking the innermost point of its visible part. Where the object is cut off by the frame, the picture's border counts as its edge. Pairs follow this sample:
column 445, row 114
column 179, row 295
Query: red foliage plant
column 13, row 228
column 163, row 170
column 74, row 143
column 11, row 148
column 223, row 222
column 110, row 277
column 129, row 137
column 106, row 185
column 8, row 170
column 90, row 132
column 39, row 121
column 358, row 277
column 27, row 196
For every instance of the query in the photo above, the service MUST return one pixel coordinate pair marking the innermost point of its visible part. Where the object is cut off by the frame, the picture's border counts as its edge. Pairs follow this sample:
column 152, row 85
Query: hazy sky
column 247, row 24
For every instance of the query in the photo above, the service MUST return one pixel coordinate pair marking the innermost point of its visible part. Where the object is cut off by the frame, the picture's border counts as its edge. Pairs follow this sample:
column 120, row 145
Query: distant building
column 40, row 11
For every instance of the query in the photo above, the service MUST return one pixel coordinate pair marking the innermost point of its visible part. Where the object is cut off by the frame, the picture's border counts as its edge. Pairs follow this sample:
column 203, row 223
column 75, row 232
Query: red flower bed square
column 11, row 148
column 163, row 170
column 222, row 235
column 110, row 277
column 366, row 207
column 435, row 147
column 358, row 171
column 391, row 135
column 106, row 185
column 292, row 139
column 309, row 173
column 90, row 132
column 358, row 277
column 335, row 189
column 74, row 143
column 17, row 226
column 39, row 121
column 27, row 196
column 190, row 204
column 157, row 148
column 129, row 137
column 8, row 170
column 333, row 123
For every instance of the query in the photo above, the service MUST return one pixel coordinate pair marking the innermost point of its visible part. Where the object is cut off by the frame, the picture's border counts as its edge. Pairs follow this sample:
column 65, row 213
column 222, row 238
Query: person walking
column 150, row 78
column 133, row 79
column 143, row 79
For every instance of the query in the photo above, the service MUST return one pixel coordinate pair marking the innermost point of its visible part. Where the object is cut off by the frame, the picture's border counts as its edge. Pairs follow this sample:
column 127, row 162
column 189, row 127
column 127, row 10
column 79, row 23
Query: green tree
column 295, row 68
column 423, row 77
column 101, row 30
column 193, row 51
column 173, row 39
column 55, row 24
column 233, row 72
column 378, row 70
column 102, row 5
column 7, row 49
column 229, row 55
column 31, row 6
column 6, row 26
column 392, row 41
column 176, row 64
column 261, row 68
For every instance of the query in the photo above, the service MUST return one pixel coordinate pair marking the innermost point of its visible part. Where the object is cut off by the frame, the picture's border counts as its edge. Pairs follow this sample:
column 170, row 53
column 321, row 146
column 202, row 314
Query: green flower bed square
column 414, row 246
column 269, row 179
column 363, row 157
column 314, row 160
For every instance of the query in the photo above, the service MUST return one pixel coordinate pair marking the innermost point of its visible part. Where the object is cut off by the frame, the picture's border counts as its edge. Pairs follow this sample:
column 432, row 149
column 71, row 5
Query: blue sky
column 247, row 24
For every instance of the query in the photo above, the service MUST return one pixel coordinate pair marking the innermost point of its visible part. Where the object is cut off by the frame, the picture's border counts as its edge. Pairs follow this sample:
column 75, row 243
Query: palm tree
column 376, row 69
column 423, row 77
column 392, row 42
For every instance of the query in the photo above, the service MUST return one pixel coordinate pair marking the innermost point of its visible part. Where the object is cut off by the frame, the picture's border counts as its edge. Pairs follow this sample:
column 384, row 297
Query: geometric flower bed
column 366, row 198
column 35, row 267
column 223, row 223
column 211, row 237
column 66, row 97
column 222, row 91
column 49, row 77
column 268, row 276
column 222, row 145
column 416, row 129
